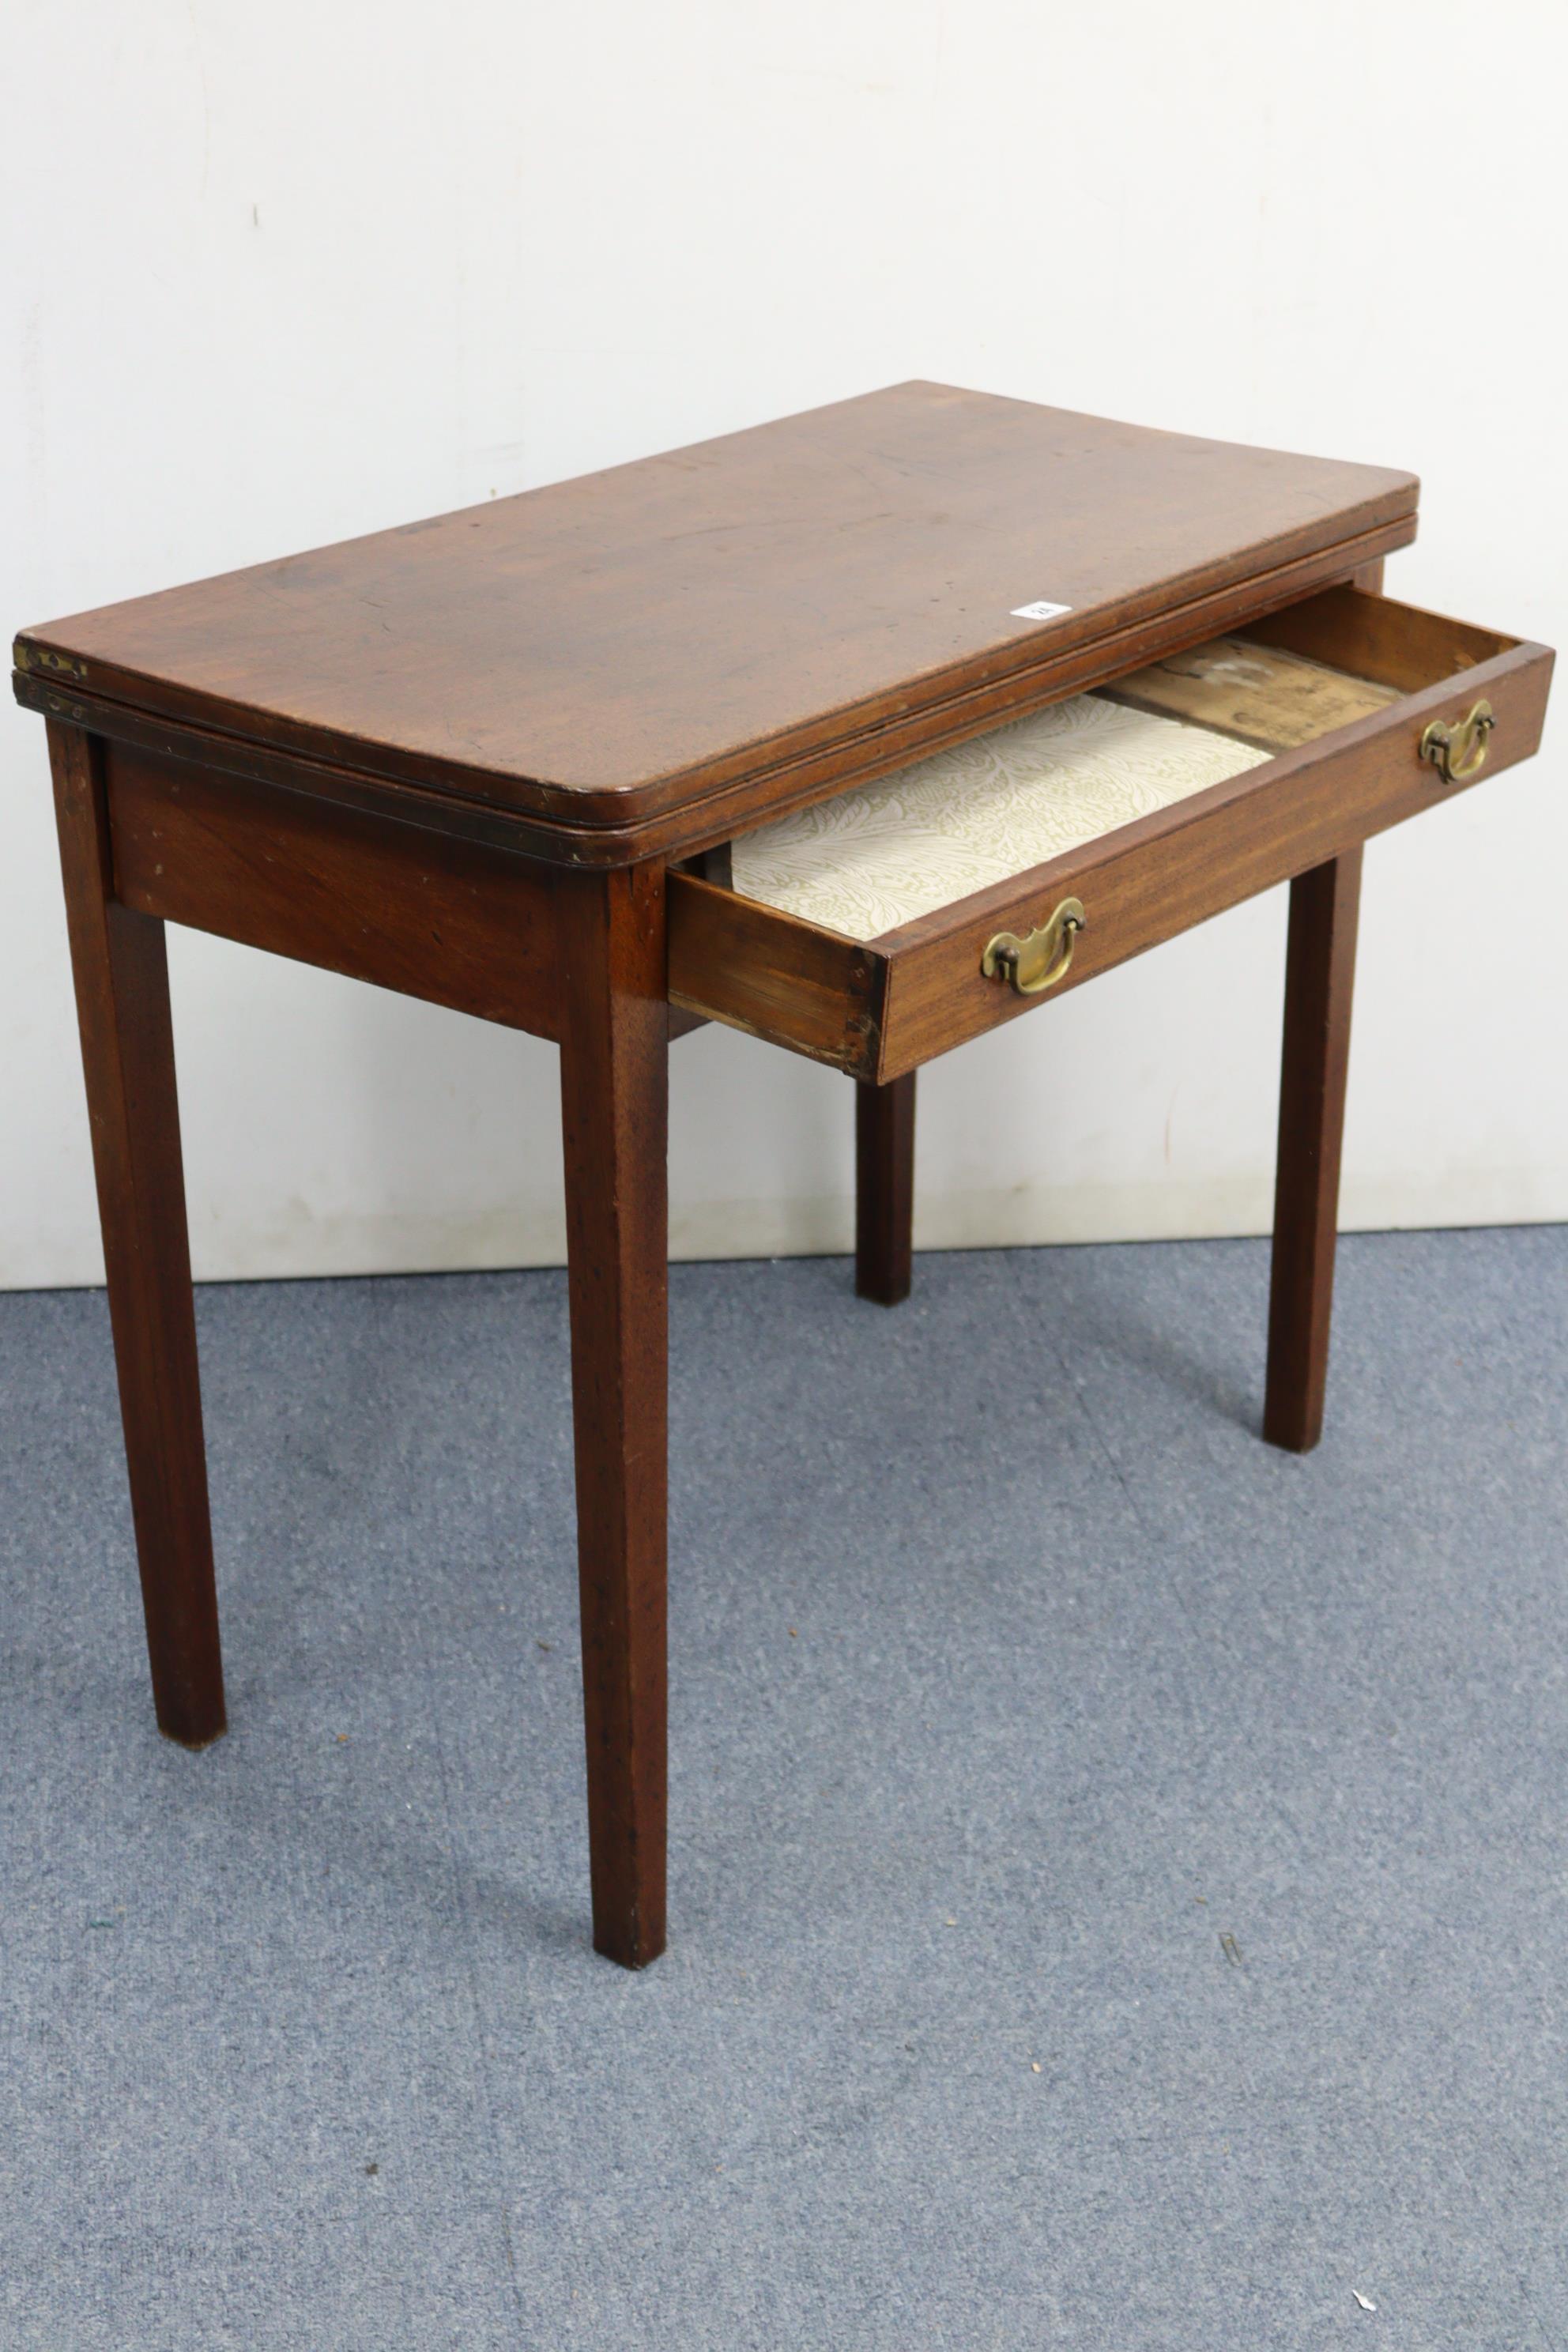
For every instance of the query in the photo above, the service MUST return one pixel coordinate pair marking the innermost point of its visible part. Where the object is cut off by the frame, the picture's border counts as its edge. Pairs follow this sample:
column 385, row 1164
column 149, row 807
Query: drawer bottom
column 998, row 806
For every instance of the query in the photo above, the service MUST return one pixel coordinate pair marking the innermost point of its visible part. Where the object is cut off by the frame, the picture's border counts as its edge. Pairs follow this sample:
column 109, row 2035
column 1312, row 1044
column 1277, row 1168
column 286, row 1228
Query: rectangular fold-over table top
column 666, row 650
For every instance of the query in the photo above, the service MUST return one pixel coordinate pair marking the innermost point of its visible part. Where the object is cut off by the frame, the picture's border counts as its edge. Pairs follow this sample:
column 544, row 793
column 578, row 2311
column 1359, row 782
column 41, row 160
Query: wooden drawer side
column 779, row 979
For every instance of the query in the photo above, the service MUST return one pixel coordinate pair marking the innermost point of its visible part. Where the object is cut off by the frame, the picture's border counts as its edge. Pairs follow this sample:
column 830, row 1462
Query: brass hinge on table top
column 29, row 658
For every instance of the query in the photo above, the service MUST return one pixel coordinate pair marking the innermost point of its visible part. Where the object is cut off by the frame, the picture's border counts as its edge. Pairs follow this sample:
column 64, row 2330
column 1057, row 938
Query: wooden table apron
column 462, row 762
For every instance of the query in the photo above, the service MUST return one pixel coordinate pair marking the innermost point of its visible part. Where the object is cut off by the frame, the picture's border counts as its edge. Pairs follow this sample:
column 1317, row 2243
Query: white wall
column 276, row 274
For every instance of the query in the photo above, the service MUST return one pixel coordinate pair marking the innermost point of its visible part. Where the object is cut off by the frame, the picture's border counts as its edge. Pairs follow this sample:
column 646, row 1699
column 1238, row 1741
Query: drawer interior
column 862, row 929
column 933, row 834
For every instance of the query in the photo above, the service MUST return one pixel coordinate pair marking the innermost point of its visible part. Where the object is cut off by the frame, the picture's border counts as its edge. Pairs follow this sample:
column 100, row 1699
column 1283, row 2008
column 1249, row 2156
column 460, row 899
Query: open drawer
column 1253, row 759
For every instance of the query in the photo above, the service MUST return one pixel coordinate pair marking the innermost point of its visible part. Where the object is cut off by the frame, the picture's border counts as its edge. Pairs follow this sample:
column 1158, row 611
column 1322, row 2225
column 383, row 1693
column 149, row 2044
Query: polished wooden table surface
column 492, row 759
column 647, row 656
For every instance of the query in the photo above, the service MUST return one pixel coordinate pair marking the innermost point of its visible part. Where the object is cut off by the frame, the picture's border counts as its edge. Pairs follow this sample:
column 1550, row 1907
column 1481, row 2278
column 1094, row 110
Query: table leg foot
column 1319, row 976
column 614, row 1081
column 884, row 1189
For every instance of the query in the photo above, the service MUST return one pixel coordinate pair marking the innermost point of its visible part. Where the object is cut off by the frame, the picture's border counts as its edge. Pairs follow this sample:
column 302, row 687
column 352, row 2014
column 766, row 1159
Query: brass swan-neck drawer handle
column 1031, row 966
column 1458, row 750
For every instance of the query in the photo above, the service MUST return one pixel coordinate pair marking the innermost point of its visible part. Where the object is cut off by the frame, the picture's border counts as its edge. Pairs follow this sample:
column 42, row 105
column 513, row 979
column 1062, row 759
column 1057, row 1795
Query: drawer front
column 883, row 1009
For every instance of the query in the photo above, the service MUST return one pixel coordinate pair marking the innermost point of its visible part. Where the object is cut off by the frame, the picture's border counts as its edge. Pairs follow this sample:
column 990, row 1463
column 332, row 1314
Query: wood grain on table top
column 627, row 641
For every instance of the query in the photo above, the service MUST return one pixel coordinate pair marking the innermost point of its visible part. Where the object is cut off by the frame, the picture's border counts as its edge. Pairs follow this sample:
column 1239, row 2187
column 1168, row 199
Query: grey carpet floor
column 1119, row 1873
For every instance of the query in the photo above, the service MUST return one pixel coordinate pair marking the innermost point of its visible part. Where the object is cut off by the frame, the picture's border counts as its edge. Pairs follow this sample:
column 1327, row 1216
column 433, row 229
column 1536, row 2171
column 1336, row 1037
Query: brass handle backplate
column 1458, row 750
column 1031, row 966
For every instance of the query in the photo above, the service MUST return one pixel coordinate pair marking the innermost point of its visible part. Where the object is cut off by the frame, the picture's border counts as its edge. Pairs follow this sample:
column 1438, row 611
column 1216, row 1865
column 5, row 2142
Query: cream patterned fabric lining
column 918, row 839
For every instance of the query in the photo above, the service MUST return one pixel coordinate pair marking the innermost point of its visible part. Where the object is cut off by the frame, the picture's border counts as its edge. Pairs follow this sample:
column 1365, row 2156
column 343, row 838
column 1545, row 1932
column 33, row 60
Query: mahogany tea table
column 865, row 731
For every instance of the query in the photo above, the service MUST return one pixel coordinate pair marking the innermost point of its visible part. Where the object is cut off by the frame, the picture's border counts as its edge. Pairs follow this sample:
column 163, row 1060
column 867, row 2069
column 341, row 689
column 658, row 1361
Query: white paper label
column 1038, row 612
